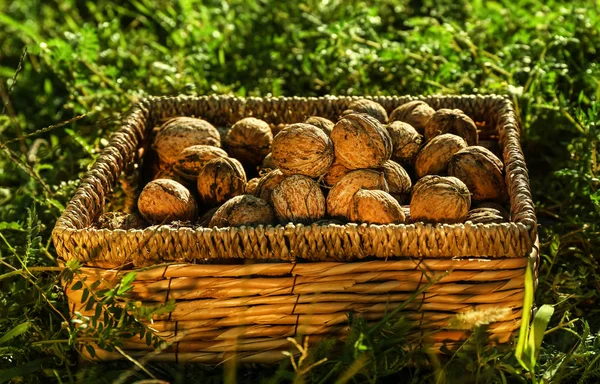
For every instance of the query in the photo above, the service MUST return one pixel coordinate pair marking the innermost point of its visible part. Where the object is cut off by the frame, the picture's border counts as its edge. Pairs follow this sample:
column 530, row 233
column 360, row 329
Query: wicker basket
column 245, row 290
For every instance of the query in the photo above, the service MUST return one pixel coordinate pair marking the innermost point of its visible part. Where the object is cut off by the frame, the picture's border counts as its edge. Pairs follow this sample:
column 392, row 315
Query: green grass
column 71, row 68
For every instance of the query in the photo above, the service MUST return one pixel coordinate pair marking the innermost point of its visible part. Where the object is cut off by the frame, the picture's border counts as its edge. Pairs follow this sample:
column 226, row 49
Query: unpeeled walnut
column 397, row 178
column 434, row 158
column 163, row 201
column 267, row 163
column 251, row 186
column 416, row 113
column 481, row 171
column 298, row 199
column 335, row 173
column 370, row 107
column 121, row 220
column 340, row 196
column 360, row 141
column 267, row 183
column 192, row 159
column 406, row 142
column 243, row 210
column 181, row 132
column 302, row 149
column 219, row 180
column 452, row 121
column 438, row 199
column 249, row 140
column 375, row 207
column 324, row 124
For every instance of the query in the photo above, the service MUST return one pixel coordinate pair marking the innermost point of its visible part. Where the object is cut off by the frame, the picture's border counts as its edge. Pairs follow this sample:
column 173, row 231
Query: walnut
column 163, row 201
column 360, row 141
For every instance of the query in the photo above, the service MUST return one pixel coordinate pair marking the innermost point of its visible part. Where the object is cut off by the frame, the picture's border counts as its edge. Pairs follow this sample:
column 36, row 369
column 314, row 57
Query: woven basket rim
column 72, row 230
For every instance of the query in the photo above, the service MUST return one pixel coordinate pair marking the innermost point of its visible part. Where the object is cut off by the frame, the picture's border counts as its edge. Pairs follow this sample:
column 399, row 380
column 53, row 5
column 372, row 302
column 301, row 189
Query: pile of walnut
column 360, row 169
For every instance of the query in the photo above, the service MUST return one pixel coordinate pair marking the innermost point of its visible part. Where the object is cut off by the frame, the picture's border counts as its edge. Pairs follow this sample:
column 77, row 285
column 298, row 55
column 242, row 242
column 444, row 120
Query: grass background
column 69, row 69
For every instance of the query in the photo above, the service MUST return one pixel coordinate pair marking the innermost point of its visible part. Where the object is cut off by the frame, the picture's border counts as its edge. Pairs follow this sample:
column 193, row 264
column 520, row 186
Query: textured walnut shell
column 267, row 162
column 251, row 186
column 340, row 196
column 181, row 132
column 452, row 121
column 267, row 184
column 416, row 113
column 276, row 128
column 375, row 207
column 220, row 180
column 192, row 159
column 486, row 216
column 360, row 141
column 249, row 140
column 481, row 171
column 370, row 107
column 324, row 124
column 406, row 211
column 121, row 220
column 243, row 210
column 397, row 178
column 298, row 199
column 302, row 149
column 438, row 199
column 488, row 204
column 434, row 158
column 163, row 200
column 335, row 174
column 406, row 142
column 171, row 174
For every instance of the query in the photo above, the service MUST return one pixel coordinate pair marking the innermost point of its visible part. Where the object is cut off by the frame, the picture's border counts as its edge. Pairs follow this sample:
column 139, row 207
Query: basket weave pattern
column 314, row 274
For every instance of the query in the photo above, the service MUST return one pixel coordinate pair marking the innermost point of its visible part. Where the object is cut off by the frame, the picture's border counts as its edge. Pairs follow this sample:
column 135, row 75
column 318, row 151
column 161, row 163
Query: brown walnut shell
column 340, row 196
column 163, row 200
column 249, row 140
column 360, row 141
column 434, row 158
column 192, row 159
column 375, row 207
column 324, row 124
column 298, row 199
column 267, row 162
column 406, row 211
column 121, row 220
column 489, row 204
column 171, row 174
column 335, row 173
column 452, row 121
column 406, row 142
column 267, row 184
column 397, row 178
column 486, row 216
column 251, row 186
column 302, row 149
column 416, row 113
column 181, row 132
column 370, row 107
column 243, row 210
column 276, row 128
column 220, row 180
column 438, row 199
column 481, row 171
